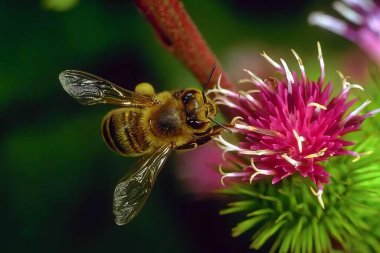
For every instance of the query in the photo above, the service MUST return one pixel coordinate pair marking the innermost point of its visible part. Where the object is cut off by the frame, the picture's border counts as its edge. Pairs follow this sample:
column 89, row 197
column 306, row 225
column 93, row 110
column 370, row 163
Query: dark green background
column 57, row 176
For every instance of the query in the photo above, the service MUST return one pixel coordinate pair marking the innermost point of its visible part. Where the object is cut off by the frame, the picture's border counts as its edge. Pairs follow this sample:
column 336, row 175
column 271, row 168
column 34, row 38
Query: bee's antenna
column 204, row 96
column 207, row 82
column 209, row 76
column 221, row 125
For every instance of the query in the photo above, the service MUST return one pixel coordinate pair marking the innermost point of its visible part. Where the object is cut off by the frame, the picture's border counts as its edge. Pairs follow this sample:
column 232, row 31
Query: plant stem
column 180, row 36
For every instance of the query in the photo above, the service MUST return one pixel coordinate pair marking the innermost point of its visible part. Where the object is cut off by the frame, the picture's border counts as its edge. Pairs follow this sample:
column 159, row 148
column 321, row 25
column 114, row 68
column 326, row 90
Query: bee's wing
column 133, row 190
column 89, row 89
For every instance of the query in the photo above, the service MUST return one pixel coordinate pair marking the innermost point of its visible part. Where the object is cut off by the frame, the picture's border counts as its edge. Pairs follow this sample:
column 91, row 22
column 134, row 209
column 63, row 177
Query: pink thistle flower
column 290, row 125
column 363, row 27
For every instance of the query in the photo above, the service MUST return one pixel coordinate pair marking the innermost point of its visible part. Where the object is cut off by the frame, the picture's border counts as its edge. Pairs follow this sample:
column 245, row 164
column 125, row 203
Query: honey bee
column 146, row 124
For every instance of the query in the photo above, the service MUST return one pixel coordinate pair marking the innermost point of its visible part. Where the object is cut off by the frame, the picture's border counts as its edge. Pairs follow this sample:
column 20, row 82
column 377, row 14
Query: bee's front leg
column 187, row 146
column 200, row 140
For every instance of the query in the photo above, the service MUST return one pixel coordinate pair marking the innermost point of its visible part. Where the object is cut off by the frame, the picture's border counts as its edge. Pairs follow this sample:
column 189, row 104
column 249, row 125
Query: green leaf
column 297, row 232
column 284, row 215
column 352, row 201
column 261, row 212
column 317, row 235
column 265, row 234
column 279, row 240
column 285, row 247
column 238, row 206
column 324, row 238
column 246, row 225
column 309, row 239
column 334, row 231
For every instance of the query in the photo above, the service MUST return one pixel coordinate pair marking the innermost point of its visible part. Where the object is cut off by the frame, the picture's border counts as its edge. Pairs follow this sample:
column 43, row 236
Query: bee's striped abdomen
column 120, row 129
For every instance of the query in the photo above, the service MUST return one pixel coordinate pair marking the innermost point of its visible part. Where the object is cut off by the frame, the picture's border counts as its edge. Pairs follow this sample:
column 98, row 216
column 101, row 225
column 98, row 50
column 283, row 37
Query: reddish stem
column 180, row 36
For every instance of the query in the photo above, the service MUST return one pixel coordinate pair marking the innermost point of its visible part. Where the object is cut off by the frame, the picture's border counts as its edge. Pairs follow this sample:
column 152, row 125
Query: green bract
column 288, row 217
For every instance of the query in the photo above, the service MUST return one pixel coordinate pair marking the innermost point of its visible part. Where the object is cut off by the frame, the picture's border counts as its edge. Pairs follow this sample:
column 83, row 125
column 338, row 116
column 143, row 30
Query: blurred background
column 57, row 176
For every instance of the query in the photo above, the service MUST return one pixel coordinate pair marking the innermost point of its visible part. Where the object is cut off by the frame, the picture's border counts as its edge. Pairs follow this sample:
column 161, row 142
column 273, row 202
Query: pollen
column 319, row 106
column 318, row 154
column 299, row 139
column 318, row 194
column 290, row 160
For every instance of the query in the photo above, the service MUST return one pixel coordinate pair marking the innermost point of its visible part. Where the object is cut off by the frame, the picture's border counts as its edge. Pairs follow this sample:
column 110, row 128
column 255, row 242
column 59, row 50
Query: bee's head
column 199, row 108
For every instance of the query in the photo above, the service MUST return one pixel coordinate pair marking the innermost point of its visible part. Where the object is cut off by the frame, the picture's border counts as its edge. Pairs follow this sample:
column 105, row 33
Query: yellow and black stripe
column 122, row 132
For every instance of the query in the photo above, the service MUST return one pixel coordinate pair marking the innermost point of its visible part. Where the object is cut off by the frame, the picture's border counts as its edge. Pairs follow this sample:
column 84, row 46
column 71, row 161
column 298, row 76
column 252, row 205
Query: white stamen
column 318, row 195
column 319, row 106
column 222, row 180
column 257, row 152
column 258, row 172
column 327, row 22
column 290, row 160
column 223, row 173
column 271, row 61
column 318, row 154
column 348, row 13
column 302, row 67
column 346, row 85
column 228, row 147
column 257, row 80
column 256, row 129
column 219, row 81
column 245, row 81
column 373, row 23
column 356, row 111
column 356, row 158
column 359, row 155
column 285, row 175
column 354, row 86
column 229, row 174
column 222, row 97
column 373, row 112
column 226, row 102
column 225, row 145
column 252, row 91
column 321, row 62
column 235, row 119
column 219, row 90
column 299, row 139
column 289, row 76
column 249, row 97
column 344, row 79
column 367, row 5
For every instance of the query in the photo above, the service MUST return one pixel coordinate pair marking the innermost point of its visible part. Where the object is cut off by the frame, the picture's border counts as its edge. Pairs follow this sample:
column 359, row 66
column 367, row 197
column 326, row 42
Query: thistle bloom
column 290, row 125
column 363, row 27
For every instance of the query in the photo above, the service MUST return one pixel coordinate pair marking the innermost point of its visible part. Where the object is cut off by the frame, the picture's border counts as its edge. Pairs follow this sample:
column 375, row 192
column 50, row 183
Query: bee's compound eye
column 188, row 97
column 195, row 124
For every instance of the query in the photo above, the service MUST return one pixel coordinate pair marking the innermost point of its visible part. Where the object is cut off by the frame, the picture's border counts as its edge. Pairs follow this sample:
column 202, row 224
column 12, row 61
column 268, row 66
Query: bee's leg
column 207, row 132
column 215, row 130
column 187, row 146
column 195, row 143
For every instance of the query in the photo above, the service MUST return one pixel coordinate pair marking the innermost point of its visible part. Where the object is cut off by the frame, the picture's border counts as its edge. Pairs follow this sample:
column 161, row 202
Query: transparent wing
column 133, row 190
column 89, row 89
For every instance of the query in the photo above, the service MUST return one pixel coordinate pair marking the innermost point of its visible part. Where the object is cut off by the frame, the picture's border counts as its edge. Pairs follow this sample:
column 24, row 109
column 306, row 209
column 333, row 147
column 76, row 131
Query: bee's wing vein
column 133, row 190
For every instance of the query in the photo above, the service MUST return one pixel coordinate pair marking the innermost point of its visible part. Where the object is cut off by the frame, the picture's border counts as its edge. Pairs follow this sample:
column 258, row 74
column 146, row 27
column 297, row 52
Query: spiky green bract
column 289, row 218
